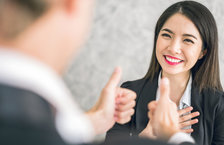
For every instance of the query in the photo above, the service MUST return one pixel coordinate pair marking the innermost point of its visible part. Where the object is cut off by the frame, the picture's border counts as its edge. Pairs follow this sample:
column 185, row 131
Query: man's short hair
column 16, row 15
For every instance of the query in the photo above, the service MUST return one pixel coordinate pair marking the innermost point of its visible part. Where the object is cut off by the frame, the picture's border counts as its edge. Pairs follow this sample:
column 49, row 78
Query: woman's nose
column 175, row 46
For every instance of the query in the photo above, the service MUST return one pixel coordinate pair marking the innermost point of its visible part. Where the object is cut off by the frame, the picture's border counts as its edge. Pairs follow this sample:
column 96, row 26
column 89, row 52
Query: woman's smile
column 172, row 60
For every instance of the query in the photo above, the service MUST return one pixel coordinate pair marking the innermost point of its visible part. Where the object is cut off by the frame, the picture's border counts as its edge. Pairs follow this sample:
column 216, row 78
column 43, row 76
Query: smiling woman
column 186, row 52
column 179, row 47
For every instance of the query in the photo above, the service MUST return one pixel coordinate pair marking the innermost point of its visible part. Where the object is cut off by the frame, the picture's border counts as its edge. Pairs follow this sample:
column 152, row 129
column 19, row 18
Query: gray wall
column 122, row 35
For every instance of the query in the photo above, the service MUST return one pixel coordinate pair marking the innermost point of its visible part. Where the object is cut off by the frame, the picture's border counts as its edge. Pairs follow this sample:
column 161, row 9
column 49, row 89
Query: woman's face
column 179, row 45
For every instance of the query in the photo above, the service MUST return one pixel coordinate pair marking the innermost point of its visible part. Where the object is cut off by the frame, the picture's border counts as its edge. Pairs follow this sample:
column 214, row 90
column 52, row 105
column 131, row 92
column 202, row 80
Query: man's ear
column 202, row 54
column 70, row 5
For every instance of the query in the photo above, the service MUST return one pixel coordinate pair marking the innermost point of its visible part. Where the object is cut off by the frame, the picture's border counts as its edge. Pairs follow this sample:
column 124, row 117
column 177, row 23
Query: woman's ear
column 202, row 54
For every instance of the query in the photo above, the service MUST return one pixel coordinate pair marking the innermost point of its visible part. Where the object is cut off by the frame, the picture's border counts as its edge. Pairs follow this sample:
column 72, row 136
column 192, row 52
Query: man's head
column 16, row 15
column 48, row 30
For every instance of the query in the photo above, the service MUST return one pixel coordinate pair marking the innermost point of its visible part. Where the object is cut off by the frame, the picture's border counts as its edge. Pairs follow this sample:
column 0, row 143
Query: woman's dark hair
column 206, row 71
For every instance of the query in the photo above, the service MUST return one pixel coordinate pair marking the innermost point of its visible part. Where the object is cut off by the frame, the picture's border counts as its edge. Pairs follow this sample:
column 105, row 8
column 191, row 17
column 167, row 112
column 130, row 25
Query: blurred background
column 122, row 35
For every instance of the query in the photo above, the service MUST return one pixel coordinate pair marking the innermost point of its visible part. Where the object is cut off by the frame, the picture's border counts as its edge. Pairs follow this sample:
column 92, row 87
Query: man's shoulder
column 10, row 94
column 23, row 106
column 26, row 118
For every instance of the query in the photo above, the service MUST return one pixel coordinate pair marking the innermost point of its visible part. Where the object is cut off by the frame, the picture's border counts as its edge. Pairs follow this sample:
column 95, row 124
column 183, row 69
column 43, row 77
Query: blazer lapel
column 197, row 104
column 146, row 95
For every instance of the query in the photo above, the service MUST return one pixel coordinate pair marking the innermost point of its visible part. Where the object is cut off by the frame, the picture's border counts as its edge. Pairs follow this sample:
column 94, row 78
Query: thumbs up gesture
column 115, row 104
column 164, row 115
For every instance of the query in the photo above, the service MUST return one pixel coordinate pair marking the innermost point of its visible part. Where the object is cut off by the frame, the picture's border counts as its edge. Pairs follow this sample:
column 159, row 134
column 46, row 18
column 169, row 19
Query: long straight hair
column 206, row 70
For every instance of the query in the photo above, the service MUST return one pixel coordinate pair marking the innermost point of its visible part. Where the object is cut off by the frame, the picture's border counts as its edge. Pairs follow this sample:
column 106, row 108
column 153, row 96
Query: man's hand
column 114, row 105
column 165, row 118
column 148, row 131
column 125, row 103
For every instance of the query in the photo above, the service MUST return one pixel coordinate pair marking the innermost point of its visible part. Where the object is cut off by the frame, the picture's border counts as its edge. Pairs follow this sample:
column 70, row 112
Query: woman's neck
column 178, row 84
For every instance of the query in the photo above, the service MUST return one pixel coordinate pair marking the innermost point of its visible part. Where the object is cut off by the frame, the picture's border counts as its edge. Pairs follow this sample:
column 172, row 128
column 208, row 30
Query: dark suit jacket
column 121, row 140
column 210, row 128
column 26, row 119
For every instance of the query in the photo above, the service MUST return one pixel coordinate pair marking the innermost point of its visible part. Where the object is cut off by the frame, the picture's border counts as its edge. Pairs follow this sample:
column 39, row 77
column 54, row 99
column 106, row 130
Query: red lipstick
column 171, row 57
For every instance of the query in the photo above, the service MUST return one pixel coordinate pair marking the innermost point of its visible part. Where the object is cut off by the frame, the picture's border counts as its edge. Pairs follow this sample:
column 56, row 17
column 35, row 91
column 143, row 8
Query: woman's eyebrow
column 188, row 35
column 168, row 30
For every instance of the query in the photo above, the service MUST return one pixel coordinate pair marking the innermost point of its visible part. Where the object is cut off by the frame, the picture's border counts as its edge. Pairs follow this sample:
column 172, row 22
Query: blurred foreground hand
column 115, row 104
column 163, row 114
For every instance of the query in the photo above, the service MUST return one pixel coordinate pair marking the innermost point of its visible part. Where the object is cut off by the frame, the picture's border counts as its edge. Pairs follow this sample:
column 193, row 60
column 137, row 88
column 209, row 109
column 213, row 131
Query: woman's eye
column 166, row 35
column 189, row 41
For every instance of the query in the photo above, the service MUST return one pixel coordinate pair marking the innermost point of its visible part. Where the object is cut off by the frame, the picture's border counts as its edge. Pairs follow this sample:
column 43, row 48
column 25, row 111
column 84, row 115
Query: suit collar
column 197, row 103
column 146, row 95
column 21, row 71
column 185, row 99
column 25, row 72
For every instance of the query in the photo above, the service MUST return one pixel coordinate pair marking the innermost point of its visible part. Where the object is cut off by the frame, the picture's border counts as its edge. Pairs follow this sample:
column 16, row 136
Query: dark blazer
column 208, row 131
column 136, row 141
column 26, row 119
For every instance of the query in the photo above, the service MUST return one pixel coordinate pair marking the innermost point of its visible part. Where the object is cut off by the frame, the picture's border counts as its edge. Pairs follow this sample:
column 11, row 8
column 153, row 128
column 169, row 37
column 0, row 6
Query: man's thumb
column 164, row 89
column 114, row 79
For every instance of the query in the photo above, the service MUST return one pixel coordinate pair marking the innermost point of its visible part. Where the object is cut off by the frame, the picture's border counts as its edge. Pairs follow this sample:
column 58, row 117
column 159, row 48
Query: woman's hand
column 186, row 119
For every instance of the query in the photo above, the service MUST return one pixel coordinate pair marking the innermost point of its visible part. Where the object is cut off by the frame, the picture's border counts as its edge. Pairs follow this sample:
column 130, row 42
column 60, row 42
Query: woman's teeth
column 172, row 60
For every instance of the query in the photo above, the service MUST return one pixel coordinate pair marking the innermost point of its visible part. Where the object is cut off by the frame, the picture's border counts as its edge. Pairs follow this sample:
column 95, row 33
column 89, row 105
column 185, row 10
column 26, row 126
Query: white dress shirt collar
column 185, row 100
column 24, row 72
